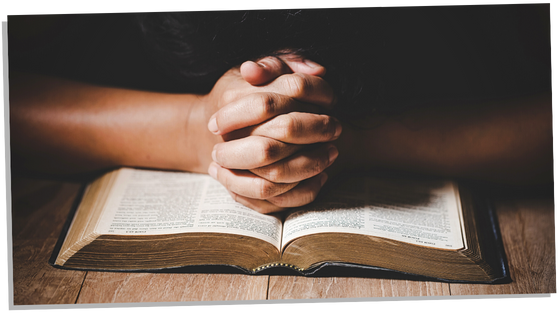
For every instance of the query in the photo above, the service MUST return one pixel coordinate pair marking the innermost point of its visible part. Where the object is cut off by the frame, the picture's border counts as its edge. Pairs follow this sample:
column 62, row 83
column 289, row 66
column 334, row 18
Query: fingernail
column 338, row 130
column 311, row 64
column 213, row 170
column 324, row 178
column 214, row 155
column 213, row 125
column 333, row 154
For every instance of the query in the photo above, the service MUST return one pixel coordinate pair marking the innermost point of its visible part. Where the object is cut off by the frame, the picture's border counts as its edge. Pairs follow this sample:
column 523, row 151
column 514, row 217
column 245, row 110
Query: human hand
column 278, row 146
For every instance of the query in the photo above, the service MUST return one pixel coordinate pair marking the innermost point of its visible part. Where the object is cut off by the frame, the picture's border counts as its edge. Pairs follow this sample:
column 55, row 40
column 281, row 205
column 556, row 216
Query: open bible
column 143, row 220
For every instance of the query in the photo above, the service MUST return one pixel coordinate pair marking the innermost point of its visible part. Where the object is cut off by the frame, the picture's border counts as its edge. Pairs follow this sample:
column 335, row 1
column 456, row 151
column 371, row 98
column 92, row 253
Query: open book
column 132, row 219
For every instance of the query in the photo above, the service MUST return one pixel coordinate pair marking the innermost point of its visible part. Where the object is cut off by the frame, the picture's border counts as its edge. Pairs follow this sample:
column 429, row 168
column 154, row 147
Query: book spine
column 277, row 264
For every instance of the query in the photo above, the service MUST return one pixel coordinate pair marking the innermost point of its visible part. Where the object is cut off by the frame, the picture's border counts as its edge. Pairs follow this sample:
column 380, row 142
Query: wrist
column 199, row 141
column 162, row 131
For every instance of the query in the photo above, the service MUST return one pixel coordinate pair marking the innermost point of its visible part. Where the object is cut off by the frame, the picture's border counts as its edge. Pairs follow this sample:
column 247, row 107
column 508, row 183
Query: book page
column 159, row 202
column 422, row 213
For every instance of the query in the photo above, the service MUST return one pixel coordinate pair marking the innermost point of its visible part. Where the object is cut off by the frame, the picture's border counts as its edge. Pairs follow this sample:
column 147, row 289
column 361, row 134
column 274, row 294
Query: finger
column 266, row 69
column 299, row 128
column 261, row 206
column 301, row 195
column 304, row 88
column 254, row 109
column 300, row 166
column 247, row 184
column 252, row 152
column 299, row 64
column 274, row 98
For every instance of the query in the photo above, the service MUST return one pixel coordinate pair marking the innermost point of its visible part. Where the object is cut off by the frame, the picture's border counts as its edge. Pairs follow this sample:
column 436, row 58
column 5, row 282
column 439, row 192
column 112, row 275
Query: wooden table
column 40, row 208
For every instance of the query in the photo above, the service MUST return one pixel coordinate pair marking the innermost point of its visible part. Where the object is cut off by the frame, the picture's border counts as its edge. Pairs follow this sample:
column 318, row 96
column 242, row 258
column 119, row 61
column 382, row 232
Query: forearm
column 65, row 127
column 507, row 142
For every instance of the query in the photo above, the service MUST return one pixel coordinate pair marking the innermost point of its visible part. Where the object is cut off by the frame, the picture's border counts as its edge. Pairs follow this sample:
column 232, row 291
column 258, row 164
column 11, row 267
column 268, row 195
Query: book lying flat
column 144, row 220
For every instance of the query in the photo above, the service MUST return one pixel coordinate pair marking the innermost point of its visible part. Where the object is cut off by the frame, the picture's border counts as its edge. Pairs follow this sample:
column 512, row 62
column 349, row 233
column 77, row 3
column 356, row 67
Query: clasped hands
column 277, row 137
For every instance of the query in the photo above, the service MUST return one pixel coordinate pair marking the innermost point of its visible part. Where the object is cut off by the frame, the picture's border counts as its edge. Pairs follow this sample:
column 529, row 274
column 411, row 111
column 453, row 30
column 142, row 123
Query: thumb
column 267, row 69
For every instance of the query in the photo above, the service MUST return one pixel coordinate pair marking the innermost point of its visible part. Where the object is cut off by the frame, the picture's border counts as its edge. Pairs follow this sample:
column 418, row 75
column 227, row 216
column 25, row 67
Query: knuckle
column 279, row 201
column 265, row 189
column 289, row 126
column 267, row 104
column 296, row 85
column 273, row 174
column 319, row 165
column 329, row 126
column 288, row 201
column 229, row 96
column 269, row 151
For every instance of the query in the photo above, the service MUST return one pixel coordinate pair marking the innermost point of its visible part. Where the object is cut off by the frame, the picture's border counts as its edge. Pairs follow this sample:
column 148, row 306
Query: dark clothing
column 390, row 58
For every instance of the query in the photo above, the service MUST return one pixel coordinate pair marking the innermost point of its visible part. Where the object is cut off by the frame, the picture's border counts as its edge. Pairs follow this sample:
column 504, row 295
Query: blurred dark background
column 384, row 59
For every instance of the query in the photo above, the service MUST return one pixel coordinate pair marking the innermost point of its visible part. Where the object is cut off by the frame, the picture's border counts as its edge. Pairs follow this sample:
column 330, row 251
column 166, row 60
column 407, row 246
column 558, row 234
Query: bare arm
column 65, row 127
column 508, row 141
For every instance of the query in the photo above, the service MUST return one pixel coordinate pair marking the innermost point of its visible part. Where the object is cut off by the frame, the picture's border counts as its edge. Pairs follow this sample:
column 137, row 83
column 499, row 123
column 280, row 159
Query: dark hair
column 377, row 59
column 199, row 45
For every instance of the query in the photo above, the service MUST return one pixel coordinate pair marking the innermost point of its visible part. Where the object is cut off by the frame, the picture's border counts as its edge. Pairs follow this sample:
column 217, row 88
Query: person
column 303, row 105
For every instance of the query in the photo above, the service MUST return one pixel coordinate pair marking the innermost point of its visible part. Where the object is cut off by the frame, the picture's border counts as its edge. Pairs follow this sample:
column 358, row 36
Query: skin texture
column 507, row 141
column 270, row 162
column 264, row 133
column 66, row 127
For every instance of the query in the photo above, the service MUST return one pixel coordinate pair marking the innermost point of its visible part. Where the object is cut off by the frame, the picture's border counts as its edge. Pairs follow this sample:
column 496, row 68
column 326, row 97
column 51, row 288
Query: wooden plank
column 294, row 287
column 36, row 282
column 527, row 228
column 39, row 210
column 34, row 201
column 107, row 287
column 41, row 207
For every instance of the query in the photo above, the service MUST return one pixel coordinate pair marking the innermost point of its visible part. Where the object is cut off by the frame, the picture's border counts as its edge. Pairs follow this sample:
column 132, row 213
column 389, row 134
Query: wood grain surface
column 40, row 208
